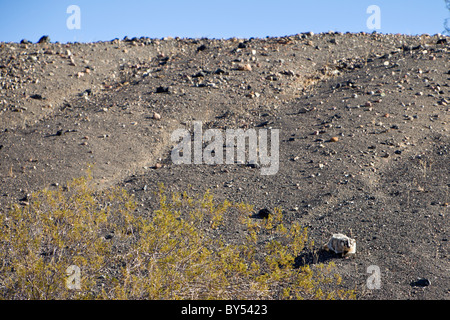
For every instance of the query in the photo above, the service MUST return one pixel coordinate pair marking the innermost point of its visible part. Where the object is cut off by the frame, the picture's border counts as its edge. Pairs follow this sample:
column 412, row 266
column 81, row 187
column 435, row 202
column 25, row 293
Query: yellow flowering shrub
column 168, row 254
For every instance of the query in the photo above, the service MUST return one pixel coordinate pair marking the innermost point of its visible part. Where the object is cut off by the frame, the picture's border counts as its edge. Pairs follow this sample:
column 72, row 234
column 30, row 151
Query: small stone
column 245, row 67
column 334, row 139
column 156, row 116
column 202, row 48
column 219, row 71
column 158, row 165
column 422, row 282
column 253, row 94
column 289, row 73
column 264, row 213
column 162, row 89
column 44, row 39
column 36, row 96
column 199, row 74
column 26, row 198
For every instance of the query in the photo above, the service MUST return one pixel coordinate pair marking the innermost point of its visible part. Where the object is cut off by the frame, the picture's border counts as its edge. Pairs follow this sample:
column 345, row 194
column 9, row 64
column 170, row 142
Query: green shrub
column 176, row 252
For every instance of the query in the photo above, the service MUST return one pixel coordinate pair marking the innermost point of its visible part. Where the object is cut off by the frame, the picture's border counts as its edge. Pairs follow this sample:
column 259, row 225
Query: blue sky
column 105, row 20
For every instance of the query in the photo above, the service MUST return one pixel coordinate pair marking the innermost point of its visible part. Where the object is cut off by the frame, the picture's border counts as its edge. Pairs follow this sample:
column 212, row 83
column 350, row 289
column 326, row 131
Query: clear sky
column 102, row 20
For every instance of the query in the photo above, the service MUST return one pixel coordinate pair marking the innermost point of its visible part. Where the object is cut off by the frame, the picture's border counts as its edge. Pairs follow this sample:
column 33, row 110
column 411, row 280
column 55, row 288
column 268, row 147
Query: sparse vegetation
column 170, row 254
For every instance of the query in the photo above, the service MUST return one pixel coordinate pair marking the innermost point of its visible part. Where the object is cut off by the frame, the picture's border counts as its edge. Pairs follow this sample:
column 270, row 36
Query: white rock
column 156, row 116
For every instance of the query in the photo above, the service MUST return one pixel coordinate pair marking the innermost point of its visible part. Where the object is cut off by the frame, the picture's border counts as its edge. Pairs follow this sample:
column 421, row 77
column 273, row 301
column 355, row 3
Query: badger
column 341, row 244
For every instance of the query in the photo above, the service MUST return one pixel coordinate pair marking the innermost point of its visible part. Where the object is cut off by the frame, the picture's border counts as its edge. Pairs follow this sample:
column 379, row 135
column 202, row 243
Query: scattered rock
column 156, row 116
column 161, row 89
column 253, row 94
column 202, row 48
column 422, row 282
column 245, row 67
column 264, row 213
column 199, row 74
column 334, row 139
column 44, row 39
column 220, row 71
column 109, row 236
column 303, row 110
column 26, row 198
column 36, row 96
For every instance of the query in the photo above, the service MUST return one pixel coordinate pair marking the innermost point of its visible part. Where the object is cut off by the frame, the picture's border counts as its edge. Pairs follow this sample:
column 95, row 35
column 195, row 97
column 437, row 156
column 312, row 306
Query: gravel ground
column 363, row 125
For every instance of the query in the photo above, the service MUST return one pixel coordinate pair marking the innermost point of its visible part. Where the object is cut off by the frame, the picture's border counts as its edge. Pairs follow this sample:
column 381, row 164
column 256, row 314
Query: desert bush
column 168, row 254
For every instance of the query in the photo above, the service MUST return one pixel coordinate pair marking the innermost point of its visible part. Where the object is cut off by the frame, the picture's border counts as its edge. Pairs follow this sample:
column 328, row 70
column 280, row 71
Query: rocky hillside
column 363, row 146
